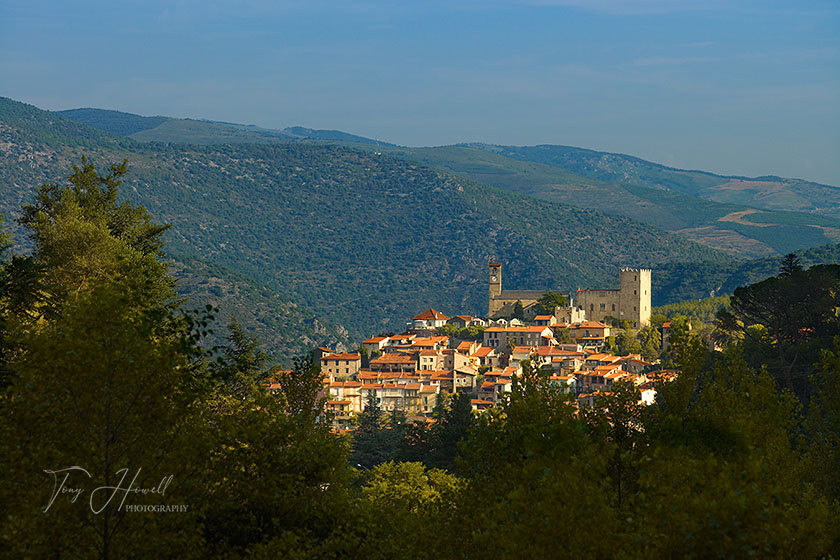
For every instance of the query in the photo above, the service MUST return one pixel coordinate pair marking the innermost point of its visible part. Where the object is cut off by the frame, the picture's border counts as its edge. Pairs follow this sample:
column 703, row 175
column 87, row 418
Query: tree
column 563, row 336
column 104, row 365
column 84, row 237
column 796, row 313
column 365, row 354
column 791, row 264
column 617, row 422
column 109, row 389
column 548, row 302
column 723, row 451
column 651, row 341
column 523, row 462
column 242, row 364
column 371, row 443
column 436, row 444
column 279, row 468
column 626, row 343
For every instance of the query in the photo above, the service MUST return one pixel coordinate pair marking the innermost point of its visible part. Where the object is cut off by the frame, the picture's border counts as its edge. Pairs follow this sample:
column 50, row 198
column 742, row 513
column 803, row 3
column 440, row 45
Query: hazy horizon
column 734, row 88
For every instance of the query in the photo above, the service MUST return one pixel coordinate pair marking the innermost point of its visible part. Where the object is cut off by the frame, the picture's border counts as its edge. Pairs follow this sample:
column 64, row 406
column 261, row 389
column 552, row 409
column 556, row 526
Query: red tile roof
column 536, row 329
column 344, row 356
column 393, row 359
column 431, row 314
column 483, row 352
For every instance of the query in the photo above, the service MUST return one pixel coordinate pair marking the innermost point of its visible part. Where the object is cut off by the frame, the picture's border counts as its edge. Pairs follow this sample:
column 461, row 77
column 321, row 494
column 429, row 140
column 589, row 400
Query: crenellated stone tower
column 630, row 302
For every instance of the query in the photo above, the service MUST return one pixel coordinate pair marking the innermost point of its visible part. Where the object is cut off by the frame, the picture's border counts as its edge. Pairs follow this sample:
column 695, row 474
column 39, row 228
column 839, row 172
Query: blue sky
column 735, row 87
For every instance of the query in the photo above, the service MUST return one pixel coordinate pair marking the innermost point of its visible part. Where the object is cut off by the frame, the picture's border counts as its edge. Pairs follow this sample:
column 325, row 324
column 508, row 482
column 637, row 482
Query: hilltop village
column 566, row 335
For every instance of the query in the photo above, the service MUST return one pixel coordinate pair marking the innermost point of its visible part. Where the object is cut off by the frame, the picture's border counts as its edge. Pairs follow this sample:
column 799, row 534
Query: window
column 613, row 307
column 634, row 292
column 603, row 307
column 591, row 307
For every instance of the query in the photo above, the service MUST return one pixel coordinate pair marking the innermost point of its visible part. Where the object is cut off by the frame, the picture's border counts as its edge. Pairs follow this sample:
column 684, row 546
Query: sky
column 730, row 86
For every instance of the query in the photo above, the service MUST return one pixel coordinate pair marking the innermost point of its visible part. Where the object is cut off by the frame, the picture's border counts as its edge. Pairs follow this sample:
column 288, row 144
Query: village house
column 430, row 319
column 486, row 356
column 375, row 344
column 545, row 320
column 395, row 362
column 590, row 333
column 505, row 337
column 343, row 366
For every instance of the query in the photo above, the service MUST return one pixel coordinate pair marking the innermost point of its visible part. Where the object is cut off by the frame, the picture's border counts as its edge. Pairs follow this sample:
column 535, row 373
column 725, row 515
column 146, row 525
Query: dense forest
column 112, row 409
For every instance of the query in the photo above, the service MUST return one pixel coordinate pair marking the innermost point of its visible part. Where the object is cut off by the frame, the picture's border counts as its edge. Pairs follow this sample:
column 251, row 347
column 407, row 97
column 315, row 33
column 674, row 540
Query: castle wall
column 599, row 304
column 630, row 302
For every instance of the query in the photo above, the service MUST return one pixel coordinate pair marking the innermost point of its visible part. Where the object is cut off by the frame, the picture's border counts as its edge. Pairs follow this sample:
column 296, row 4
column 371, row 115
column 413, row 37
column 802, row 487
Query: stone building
column 629, row 302
column 502, row 302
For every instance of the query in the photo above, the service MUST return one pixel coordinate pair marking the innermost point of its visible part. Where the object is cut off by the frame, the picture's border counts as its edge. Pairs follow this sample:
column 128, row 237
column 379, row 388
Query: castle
column 630, row 302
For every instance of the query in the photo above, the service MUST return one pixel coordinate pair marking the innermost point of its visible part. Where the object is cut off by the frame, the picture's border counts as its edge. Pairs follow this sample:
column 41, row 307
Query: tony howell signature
column 102, row 496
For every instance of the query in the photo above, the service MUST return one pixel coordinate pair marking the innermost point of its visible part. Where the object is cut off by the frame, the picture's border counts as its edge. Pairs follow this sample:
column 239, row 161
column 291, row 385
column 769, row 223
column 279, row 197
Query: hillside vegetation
column 671, row 199
column 770, row 193
column 728, row 226
column 327, row 237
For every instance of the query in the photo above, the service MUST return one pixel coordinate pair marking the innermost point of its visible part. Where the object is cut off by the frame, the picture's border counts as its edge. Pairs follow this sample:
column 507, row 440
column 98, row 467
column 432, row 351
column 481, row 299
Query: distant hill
column 193, row 131
column 770, row 192
column 349, row 237
column 115, row 122
column 741, row 230
column 702, row 207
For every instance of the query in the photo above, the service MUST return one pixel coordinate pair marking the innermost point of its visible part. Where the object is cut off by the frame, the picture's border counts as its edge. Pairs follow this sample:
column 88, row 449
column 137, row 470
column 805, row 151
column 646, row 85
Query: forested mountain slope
column 771, row 193
column 716, row 211
column 734, row 227
column 363, row 240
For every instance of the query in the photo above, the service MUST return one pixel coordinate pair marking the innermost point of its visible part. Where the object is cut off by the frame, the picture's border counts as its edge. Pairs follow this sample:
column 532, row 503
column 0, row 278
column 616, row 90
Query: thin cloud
column 672, row 60
column 637, row 7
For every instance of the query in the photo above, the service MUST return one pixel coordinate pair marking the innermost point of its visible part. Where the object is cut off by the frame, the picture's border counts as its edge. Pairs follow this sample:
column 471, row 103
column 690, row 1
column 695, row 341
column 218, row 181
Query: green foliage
column 84, row 237
column 473, row 332
column 563, row 336
column 822, row 429
column 548, row 302
column 732, row 421
column 278, row 467
column 109, row 387
column 375, row 440
column 436, row 444
column 626, row 343
column 784, row 321
column 700, row 311
column 242, row 363
column 650, row 340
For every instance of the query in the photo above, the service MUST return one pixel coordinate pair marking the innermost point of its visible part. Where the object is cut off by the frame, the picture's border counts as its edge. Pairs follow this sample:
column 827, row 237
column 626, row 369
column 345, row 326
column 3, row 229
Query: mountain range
column 323, row 237
column 746, row 217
